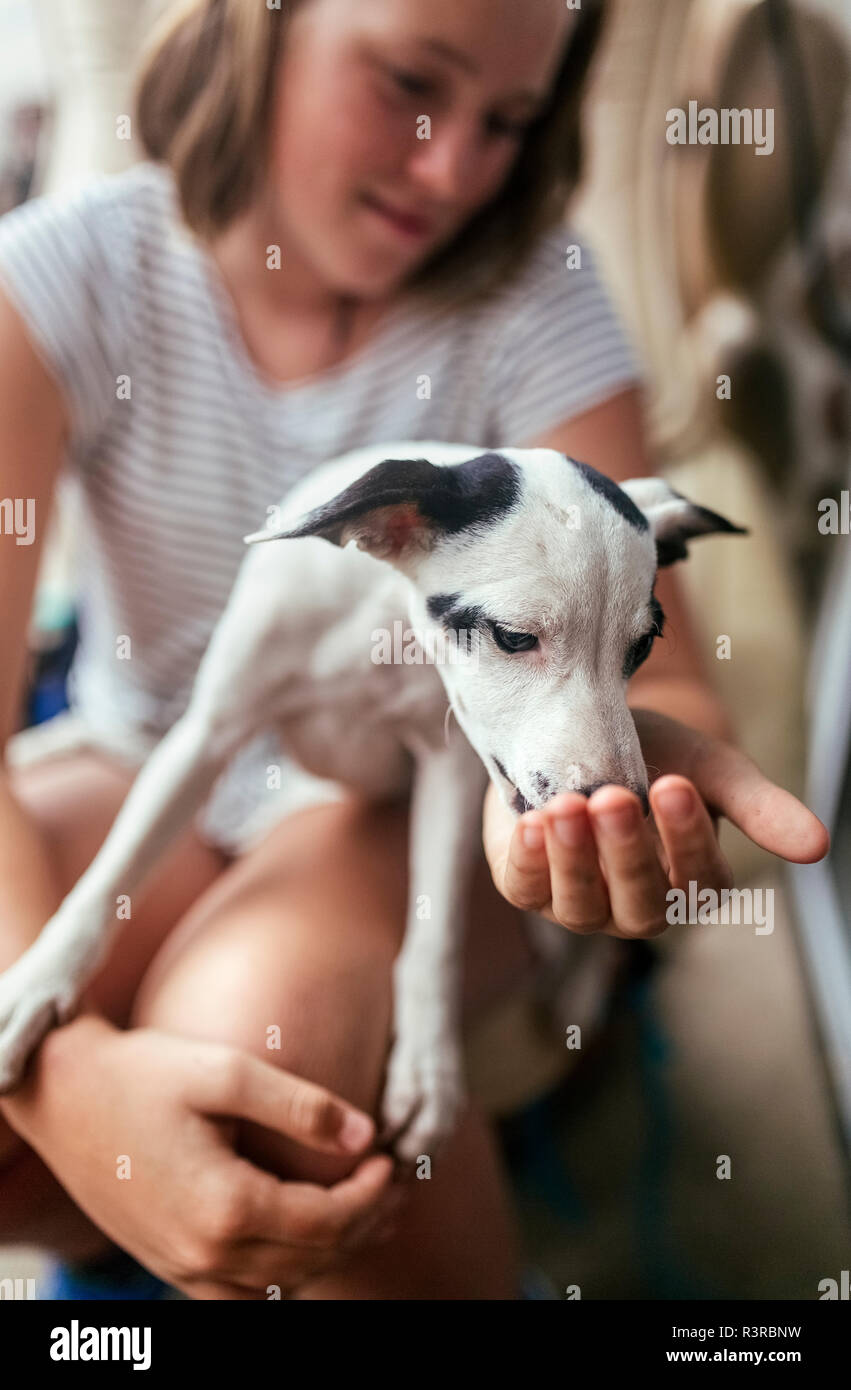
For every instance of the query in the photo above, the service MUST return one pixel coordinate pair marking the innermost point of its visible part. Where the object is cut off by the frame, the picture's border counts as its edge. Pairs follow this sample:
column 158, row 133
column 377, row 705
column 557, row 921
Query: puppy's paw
column 423, row 1099
column 31, row 1003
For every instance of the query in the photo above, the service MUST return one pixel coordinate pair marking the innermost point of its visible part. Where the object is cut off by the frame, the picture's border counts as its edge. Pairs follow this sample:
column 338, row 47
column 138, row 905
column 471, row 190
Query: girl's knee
column 306, row 926
column 289, row 976
column 322, row 1021
column 323, row 1018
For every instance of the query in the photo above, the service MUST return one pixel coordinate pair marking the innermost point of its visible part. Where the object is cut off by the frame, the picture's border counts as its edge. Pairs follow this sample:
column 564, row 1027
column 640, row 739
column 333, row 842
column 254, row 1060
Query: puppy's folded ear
column 673, row 519
column 403, row 507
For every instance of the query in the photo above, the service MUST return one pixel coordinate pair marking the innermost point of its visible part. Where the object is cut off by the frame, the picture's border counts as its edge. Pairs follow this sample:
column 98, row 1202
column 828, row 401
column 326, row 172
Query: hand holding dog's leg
column 211, row 1224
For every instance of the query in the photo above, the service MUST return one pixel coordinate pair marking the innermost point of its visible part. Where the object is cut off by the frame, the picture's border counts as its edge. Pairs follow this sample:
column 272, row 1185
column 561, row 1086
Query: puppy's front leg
column 44, row 985
column 425, row 1086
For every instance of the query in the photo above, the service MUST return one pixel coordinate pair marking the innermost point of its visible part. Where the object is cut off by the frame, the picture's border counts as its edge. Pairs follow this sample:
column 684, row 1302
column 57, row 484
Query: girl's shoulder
column 94, row 227
column 73, row 263
column 551, row 341
column 560, row 270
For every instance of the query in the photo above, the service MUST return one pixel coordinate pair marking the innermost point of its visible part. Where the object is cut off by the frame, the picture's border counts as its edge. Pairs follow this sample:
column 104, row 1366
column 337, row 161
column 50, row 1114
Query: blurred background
column 710, row 1040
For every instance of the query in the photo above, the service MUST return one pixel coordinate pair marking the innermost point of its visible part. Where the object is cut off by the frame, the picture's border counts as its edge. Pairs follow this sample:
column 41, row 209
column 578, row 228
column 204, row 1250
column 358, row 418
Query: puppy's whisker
column 449, row 713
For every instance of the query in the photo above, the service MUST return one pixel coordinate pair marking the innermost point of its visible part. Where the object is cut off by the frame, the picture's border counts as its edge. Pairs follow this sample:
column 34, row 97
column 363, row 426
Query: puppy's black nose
column 592, row 787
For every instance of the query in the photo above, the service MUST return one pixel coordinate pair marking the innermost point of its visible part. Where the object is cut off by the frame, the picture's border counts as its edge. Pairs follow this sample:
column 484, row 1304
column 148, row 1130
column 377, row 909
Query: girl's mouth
column 410, row 225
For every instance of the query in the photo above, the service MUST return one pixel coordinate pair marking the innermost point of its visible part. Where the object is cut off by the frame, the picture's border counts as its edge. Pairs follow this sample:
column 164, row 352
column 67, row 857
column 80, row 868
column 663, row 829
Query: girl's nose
column 448, row 163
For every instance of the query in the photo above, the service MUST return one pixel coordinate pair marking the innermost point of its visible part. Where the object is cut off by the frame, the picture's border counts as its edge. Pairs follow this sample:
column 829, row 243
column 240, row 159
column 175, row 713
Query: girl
column 349, row 228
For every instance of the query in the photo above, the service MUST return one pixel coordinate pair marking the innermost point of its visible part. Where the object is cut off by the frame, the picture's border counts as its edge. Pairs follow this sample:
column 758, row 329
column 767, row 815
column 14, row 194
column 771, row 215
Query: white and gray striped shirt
column 175, row 470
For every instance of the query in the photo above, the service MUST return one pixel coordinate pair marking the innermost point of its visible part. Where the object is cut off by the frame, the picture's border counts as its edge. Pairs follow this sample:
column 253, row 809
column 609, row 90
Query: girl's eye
column 513, row 641
column 410, row 83
column 413, row 85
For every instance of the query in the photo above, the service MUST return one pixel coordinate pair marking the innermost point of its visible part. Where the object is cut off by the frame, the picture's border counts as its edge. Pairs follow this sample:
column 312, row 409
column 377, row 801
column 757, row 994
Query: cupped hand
column 137, row 1126
column 598, row 865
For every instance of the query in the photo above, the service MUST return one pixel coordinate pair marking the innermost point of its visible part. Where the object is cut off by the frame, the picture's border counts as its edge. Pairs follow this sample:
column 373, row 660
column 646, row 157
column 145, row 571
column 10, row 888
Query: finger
column 770, row 816
column 306, row 1215
column 516, row 853
column 526, row 878
column 497, row 829
column 579, row 898
column 248, row 1087
column 373, row 1228
column 636, row 883
column 260, row 1264
column 688, row 836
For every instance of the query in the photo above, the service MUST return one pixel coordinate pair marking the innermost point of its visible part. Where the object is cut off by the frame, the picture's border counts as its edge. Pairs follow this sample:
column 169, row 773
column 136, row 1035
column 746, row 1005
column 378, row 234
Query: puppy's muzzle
column 521, row 805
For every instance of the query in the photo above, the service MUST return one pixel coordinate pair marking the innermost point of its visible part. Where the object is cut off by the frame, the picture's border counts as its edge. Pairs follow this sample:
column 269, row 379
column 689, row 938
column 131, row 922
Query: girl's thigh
column 289, row 955
column 73, row 801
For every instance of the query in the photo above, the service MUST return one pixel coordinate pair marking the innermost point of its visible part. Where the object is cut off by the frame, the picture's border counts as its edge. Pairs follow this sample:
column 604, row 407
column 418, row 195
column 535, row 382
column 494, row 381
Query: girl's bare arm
column 33, row 430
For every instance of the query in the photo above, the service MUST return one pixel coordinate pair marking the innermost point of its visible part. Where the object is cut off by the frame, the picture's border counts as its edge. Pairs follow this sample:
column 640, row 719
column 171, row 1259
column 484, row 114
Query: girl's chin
column 370, row 276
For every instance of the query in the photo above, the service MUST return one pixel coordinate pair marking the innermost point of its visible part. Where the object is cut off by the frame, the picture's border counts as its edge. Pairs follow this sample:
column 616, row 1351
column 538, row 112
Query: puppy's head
column 532, row 577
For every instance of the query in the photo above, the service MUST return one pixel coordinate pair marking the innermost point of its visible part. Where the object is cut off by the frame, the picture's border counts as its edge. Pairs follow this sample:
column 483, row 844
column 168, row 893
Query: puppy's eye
column 513, row 641
column 638, row 652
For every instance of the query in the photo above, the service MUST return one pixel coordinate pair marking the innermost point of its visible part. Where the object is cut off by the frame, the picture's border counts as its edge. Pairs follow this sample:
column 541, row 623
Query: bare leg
column 302, row 932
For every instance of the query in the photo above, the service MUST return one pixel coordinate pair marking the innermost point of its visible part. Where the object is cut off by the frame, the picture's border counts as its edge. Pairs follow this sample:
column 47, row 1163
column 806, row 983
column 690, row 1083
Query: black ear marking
column 673, row 519
column 412, row 500
column 696, row 521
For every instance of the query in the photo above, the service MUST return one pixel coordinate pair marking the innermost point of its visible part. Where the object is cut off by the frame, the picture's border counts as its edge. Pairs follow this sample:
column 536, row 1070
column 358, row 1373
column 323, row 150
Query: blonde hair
column 203, row 98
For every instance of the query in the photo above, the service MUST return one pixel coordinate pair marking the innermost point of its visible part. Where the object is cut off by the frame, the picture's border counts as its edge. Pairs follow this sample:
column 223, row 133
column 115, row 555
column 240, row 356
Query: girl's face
column 358, row 195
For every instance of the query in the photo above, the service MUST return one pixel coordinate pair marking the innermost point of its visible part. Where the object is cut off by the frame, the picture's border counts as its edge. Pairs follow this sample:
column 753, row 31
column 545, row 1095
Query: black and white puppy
column 528, row 580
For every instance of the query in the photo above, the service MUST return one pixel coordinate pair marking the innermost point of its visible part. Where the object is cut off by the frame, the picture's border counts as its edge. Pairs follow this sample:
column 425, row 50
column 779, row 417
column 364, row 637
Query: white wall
column 23, row 71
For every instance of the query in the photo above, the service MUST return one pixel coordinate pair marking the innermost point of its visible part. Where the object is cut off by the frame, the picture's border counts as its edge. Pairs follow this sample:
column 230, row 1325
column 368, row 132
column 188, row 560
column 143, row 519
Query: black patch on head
column 453, row 616
column 481, row 490
column 452, row 498
column 438, row 605
column 614, row 495
column 520, row 804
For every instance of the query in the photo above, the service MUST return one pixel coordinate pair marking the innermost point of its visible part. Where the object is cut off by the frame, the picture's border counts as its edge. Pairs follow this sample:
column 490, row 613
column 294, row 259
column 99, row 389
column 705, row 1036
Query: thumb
column 516, row 855
column 769, row 815
column 254, row 1089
